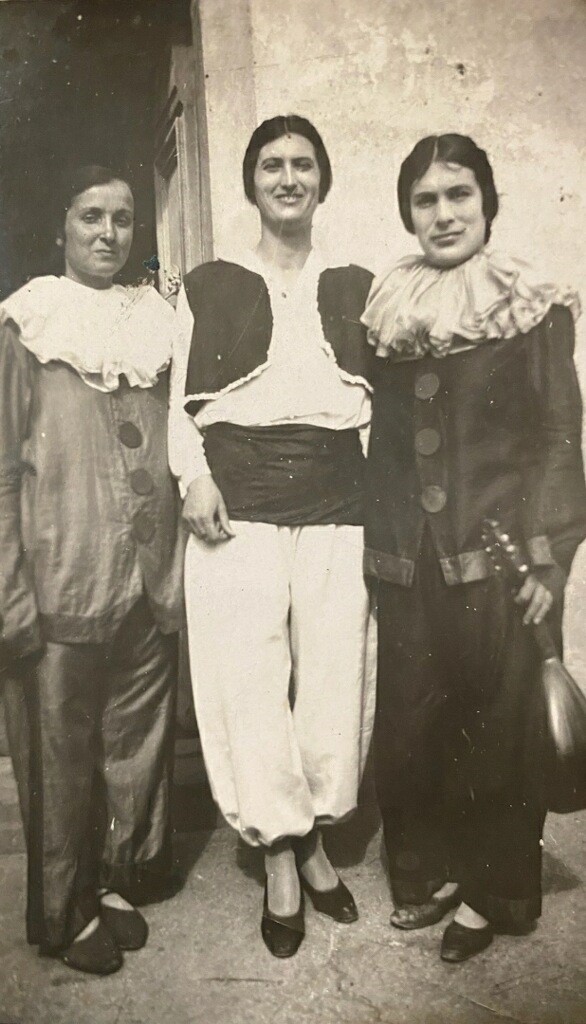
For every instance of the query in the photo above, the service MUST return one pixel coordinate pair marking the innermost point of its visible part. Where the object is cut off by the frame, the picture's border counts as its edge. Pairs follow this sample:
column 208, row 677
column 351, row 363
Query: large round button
column 143, row 526
column 426, row 385
column 141, row 481
column 433, row 498
column 130, row 435
column 427, row 441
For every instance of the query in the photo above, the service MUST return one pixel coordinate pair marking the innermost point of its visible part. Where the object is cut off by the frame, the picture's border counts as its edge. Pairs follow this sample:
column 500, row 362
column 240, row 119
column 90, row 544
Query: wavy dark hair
column 275, row 128
column 449, row 149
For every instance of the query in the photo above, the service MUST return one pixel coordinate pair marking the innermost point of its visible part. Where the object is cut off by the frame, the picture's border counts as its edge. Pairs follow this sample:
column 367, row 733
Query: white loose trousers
column 282, row 654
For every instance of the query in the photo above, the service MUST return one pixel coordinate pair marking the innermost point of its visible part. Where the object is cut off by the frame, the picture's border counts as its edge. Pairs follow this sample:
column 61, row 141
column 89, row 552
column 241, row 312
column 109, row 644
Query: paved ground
column 205, row 962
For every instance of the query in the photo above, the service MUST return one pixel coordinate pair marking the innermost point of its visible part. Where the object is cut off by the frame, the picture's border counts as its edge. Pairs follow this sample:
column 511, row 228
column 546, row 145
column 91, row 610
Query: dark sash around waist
column 288, row 475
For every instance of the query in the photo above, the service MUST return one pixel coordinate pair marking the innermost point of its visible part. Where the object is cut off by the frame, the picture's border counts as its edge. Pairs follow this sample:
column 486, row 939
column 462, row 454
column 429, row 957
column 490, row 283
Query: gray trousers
column 90, row 730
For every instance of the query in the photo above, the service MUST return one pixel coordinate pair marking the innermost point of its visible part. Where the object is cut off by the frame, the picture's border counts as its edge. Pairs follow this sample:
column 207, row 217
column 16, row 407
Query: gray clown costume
column 90, row 591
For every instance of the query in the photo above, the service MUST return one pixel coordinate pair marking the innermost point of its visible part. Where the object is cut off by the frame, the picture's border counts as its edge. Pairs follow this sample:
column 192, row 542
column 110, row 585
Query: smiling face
column 98, row 233
column 446, row 208
column 286, row 183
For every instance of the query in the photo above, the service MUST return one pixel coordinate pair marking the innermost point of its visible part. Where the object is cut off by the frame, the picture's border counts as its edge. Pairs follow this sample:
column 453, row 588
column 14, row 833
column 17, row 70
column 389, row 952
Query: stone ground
column 205, row 962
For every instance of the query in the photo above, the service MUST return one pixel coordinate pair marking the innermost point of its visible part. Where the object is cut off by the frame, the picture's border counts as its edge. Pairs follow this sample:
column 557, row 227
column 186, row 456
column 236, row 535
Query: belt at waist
column 292, row 475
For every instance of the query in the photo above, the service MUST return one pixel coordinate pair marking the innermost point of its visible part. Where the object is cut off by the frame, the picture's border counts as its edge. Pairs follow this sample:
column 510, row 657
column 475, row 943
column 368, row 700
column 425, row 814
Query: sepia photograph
column 292, row 512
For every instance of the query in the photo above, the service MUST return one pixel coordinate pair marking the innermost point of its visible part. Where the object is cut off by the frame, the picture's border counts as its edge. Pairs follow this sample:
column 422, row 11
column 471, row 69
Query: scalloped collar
column 415, row 308
column 102, row 335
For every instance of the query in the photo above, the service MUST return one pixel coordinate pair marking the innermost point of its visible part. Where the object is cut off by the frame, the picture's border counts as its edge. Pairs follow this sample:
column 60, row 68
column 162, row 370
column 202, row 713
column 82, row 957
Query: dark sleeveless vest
column 233, row 324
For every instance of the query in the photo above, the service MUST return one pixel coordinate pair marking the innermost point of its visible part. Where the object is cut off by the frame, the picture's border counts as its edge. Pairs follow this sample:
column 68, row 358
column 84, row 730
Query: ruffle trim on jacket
column 415, row 308
column 102, row 335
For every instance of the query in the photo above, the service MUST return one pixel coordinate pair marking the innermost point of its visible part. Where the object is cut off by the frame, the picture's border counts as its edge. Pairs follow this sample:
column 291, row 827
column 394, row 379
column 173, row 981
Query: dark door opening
column 78, row 84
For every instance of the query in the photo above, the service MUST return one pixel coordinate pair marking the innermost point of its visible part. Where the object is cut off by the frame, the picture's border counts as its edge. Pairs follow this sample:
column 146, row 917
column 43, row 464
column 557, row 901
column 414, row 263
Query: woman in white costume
column 269, row 398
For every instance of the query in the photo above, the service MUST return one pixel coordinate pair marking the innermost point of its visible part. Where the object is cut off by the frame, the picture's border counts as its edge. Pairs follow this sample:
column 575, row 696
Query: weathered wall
column 376, row 75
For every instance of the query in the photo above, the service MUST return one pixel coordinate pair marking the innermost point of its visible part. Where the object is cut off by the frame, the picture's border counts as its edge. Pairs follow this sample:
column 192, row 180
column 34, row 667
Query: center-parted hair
column 275, row 128
column 448, row 149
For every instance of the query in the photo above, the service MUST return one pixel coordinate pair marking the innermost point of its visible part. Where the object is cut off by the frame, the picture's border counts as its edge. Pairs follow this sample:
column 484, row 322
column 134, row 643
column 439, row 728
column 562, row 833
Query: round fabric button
column 427, row 441
column 141, row 481
column 143, row 526
column 433, row 498
column 130, row 435
column 426, row 385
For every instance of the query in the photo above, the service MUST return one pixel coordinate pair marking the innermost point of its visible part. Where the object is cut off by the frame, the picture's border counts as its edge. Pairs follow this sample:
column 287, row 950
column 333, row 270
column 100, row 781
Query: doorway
column 84, row 81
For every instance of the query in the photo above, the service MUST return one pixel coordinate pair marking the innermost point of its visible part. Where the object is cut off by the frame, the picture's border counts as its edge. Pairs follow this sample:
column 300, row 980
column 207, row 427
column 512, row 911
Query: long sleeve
column 186, row 453
column 18, row 610
column 555, row 489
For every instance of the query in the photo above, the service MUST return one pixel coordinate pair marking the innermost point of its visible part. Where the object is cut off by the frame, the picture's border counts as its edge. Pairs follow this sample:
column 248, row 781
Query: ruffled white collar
column 101, row 334
column 415, row 308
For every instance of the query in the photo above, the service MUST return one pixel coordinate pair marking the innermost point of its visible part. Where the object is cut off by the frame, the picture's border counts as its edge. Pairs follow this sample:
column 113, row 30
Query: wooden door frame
column 181, row 143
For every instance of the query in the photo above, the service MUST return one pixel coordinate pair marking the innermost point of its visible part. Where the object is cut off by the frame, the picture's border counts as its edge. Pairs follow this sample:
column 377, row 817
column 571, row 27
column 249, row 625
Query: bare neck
column 287, row 253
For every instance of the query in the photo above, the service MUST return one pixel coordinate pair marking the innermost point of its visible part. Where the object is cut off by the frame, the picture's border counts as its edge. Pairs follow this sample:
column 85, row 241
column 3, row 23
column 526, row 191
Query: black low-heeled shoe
column 98, row 954
column 337, row 903
column 421, row 915
column 460, row 943
column 128, row 928
column 282, row 935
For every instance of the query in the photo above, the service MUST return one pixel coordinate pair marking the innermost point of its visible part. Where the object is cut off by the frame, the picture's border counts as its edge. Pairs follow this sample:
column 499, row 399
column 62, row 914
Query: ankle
column 315, row 866
column 469, row 918
column 87, row 931
column 447, row 889
column 113, row 899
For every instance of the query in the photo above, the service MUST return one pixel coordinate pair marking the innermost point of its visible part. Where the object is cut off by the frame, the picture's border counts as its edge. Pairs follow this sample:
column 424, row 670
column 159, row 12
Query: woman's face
column 98, row 233
column 286, row 183
column 446, row 208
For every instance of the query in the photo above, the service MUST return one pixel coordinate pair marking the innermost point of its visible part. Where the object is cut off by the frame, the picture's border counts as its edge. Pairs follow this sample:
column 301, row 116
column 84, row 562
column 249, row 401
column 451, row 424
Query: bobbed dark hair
column 76, row 180
column 275, row 128
column 450, row 149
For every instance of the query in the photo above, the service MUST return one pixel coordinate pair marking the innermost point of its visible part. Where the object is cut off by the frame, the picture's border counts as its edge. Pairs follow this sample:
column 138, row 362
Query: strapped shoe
column 97, row 954
column 337, row 903
column 460, row 943
column 128, row 928
column 282, row 935
column 421, row 915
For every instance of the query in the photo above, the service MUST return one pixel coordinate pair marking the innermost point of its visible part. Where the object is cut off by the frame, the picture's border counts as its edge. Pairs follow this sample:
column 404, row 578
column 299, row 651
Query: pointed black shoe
column 337, row 903
column 128, row 928
column 282, row 935
column 421, row 915
column 460, row 943
column 97, row 954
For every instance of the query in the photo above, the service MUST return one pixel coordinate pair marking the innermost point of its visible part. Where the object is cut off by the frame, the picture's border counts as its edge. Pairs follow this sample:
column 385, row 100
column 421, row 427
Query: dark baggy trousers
column 91, row 733
column 457, row 735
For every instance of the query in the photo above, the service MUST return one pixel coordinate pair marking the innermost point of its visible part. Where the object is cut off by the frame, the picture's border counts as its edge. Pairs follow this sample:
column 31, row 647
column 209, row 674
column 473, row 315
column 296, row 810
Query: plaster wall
column 375, row 76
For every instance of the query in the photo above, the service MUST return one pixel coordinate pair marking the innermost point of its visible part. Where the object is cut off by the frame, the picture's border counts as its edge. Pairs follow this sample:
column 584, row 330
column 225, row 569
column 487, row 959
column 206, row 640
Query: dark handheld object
column 564, row 701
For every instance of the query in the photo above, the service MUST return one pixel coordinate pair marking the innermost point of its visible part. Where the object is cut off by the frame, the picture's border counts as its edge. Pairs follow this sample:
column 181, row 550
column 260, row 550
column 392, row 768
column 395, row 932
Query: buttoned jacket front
column 89, row 516
column 492, row 430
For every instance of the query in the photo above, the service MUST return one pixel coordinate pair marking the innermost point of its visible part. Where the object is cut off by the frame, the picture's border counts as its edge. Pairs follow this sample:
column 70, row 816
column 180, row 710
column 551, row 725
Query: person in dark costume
column 269, row 402
column 476, row 413
column 90, row 580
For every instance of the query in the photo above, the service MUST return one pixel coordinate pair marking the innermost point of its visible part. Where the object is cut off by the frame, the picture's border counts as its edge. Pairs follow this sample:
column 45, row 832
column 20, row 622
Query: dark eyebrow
column 295, row 159
column 424, row 195
column 100, row 209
